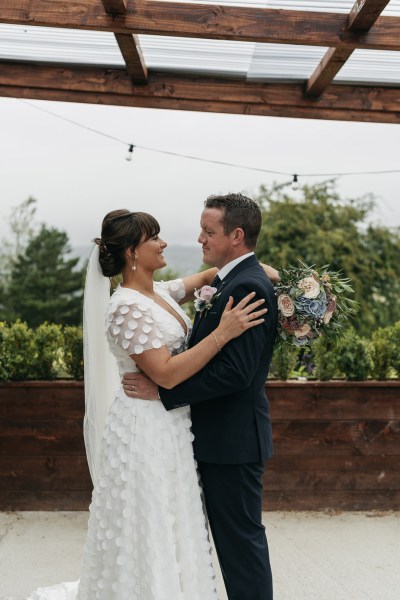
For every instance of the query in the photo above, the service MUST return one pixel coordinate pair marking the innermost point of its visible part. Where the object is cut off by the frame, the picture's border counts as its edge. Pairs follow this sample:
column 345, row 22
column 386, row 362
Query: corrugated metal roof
column 339, row 6
column 45, row 44
column 265, row 62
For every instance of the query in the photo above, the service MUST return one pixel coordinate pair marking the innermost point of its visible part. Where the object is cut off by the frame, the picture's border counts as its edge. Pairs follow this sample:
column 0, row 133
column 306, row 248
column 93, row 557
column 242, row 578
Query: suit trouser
column 233, row 497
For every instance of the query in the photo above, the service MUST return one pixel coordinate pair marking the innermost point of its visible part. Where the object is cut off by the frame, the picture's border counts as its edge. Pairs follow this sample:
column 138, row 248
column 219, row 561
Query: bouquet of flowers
column 312, row 301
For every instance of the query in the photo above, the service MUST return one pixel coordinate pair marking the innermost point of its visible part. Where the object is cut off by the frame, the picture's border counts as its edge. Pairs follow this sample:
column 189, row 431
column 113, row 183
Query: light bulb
column 295, row 183
column 129, row 156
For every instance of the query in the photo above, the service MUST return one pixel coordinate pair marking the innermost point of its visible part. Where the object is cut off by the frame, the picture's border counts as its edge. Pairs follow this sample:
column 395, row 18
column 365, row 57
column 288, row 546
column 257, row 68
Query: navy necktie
column 215, row 282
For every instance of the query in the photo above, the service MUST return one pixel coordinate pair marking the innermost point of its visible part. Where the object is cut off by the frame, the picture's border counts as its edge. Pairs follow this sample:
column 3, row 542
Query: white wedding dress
column 147, row 537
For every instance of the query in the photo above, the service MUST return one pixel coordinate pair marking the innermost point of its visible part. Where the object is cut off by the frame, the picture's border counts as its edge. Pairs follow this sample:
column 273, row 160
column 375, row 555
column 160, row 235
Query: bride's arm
column 168, row 371
column 272, row 273
column 197, row 280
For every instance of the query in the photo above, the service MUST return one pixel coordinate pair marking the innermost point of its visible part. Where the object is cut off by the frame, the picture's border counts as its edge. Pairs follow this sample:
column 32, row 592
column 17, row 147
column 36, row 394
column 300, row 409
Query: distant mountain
column 182, row 259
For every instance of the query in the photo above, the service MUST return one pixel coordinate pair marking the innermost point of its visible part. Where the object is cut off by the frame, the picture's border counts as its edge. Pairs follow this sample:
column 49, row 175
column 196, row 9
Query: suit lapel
column 251, row 261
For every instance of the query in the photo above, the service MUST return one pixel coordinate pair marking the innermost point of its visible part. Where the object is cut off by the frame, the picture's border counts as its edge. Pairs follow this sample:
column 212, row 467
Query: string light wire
column 131, row 146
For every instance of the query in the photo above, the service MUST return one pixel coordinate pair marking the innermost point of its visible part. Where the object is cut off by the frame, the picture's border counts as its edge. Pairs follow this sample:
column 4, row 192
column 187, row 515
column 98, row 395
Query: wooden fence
column 337, row 446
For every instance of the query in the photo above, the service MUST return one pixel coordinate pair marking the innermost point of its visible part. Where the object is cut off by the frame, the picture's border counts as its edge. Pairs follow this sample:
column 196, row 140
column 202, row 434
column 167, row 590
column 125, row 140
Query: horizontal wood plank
column 61, row 473
column 342, row 463
column 44, row 500
column 41, row 437
column 114, row 87
column 204, row 90
column 305, row 438
column 334, row 402
column 306, row 481
column 237, row 23
column 38, row 400
column 331, row 500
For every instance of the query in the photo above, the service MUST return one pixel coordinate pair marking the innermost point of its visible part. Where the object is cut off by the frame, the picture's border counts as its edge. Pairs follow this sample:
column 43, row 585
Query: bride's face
column 149, row 254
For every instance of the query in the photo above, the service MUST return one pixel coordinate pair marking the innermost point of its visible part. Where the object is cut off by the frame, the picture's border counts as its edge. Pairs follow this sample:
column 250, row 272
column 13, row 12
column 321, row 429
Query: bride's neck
column 139, row 280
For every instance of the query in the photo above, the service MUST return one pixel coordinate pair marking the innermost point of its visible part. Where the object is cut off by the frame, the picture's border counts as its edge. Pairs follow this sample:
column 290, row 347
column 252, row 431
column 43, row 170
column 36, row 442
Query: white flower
column 285, row 305
column 310, row 286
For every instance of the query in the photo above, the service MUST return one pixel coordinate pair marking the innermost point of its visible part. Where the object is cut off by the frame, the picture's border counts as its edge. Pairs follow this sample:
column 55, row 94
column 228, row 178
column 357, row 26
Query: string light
column 131, row 147
column 129, row 156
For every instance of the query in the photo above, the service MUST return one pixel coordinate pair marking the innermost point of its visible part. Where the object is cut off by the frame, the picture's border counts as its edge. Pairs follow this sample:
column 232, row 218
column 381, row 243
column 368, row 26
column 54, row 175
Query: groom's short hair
column 238, row 211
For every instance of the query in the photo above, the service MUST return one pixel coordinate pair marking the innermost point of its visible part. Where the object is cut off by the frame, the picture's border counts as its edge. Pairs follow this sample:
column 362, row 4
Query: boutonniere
column 205, row 298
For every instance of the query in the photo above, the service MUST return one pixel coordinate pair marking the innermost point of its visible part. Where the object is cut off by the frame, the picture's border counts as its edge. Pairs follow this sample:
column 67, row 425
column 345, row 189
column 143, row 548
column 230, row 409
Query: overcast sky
column 78, row 176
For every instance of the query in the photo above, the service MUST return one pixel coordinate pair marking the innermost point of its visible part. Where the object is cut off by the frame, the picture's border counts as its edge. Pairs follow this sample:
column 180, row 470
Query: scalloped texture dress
column 147, row 535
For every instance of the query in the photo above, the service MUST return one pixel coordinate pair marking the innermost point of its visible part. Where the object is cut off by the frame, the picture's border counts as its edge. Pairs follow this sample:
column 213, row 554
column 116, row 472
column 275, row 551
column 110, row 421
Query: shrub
column 284, row 361
column 73, row 351
column 353, row 358
column 3, row 368
column 381, row 350
column 17, row 350
column 325, row 357
column 394, row 335
column 48, row 342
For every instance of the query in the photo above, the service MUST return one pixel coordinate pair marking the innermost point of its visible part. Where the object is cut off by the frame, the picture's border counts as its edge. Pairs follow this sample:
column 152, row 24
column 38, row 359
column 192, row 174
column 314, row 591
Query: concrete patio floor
column 315, row 556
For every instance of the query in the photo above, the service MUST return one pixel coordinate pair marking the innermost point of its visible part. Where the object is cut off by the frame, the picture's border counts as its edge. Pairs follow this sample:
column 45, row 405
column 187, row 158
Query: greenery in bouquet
column 312, row 301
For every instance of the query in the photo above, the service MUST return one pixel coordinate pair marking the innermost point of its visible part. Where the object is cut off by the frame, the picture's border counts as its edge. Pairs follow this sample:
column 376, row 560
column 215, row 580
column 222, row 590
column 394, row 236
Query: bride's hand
column 243, row 316
column 272, row 273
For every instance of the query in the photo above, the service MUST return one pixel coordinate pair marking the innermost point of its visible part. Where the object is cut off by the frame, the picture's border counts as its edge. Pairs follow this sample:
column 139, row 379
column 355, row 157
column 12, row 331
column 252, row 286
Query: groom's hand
column 138, row 385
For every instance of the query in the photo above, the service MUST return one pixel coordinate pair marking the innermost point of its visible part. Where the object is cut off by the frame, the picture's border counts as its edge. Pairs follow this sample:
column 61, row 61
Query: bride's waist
column 156, row 405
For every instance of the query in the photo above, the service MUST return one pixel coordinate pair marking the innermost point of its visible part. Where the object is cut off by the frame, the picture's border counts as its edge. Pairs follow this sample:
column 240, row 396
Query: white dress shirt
column 222, row 273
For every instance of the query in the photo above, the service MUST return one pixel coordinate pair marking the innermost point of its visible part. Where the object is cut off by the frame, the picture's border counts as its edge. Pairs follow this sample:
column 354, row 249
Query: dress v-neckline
column 186, row 322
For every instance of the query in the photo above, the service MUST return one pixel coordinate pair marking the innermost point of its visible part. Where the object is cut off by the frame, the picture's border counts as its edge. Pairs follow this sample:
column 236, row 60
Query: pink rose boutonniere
column 205, row 298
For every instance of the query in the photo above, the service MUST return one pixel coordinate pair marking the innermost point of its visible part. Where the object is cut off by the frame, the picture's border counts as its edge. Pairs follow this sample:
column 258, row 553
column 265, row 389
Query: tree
column 45, row 285
column 322, row 228
column 22, row 226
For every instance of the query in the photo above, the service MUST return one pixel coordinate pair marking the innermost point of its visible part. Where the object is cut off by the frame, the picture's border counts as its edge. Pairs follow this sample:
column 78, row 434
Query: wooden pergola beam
column 129, row 44
column 114, row 86
column 115, row 7
column 207, row 21
column 361, row 18
column 364, row 14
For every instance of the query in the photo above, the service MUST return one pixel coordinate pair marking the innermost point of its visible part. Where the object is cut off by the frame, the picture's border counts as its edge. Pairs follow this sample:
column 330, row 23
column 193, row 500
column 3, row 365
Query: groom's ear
column 237, row 236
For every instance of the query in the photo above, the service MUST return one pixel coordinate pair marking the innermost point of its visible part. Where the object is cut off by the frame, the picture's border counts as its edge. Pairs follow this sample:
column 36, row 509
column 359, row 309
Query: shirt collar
column 222, row 273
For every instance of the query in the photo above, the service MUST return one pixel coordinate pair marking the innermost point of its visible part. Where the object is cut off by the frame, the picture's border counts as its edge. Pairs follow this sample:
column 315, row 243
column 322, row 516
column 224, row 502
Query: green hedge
column 351, row 357
column 47, row 352
column 51, row 351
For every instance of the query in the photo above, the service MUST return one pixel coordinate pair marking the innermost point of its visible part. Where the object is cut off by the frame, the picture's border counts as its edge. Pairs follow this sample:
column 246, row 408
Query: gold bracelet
column 216, row 341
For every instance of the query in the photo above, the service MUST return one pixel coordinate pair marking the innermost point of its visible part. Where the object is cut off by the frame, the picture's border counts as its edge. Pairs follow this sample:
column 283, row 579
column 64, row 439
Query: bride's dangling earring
column 133, row 267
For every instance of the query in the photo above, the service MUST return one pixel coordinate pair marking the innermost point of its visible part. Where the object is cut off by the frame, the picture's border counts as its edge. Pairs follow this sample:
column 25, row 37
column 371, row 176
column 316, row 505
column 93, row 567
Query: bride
column 147, row 536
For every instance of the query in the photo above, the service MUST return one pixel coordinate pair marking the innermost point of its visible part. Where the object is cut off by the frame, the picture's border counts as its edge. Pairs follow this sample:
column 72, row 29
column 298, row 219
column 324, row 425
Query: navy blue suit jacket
column 230, row 412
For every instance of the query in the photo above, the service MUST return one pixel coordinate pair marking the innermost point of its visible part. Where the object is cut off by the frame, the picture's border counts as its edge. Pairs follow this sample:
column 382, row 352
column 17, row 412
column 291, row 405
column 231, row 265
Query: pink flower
column 285, row 305
column 303, row 331
column 331, row 304
column 205, row 293
column 204, row 298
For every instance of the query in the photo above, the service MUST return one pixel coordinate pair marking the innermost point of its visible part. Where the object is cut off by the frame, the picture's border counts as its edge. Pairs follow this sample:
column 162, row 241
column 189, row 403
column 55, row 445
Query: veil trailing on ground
column 101, row 370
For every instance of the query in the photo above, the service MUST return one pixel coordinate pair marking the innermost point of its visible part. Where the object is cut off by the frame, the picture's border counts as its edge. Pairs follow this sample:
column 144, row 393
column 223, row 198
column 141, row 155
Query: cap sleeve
column 133, row 327
column 174, row 287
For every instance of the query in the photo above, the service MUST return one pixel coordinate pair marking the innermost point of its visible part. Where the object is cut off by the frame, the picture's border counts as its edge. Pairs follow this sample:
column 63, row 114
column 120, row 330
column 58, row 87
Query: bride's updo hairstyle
column 120, row 230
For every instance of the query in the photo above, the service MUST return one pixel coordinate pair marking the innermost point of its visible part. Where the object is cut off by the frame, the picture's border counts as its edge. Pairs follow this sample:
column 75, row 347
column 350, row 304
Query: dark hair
column 120, row 230
column 238, row 211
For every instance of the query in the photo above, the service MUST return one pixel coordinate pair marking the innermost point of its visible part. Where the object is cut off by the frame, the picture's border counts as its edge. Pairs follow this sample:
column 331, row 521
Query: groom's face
column 217, row 246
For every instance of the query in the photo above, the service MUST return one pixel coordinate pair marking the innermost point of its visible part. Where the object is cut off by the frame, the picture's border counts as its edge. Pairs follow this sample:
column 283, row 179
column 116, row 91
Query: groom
column 229, row 409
